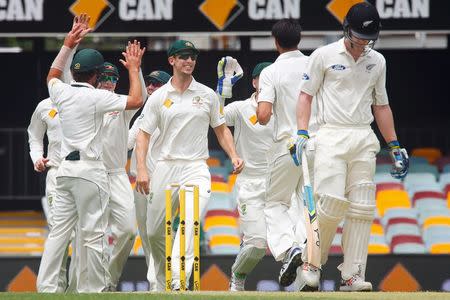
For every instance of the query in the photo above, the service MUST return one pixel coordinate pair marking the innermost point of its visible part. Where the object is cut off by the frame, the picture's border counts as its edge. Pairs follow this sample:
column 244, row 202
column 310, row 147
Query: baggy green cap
column 181, row 46
column 109, row 68
column 159, row 76
column 259, row 67
column 87, row 60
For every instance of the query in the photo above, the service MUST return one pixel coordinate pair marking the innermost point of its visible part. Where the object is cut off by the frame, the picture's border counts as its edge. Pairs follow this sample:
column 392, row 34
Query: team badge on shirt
column 52, row 113
column 197, row 101
column 168, row 103
column 370, row 67
column 253, row 119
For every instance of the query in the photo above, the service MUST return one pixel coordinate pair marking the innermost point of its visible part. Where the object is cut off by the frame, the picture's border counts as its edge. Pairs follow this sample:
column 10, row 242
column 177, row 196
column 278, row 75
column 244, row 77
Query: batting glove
column 400, row 160
column 297, row 149
column 228, row 73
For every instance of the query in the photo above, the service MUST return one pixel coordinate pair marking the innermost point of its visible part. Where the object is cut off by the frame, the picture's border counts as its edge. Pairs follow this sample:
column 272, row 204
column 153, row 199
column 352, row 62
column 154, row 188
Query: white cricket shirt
column 252, row 139
column 154, row 147
column 183, row 120
column 279, row 84
column 115, row 138
column 45, row 120
column 344, row 89
column 81, row 108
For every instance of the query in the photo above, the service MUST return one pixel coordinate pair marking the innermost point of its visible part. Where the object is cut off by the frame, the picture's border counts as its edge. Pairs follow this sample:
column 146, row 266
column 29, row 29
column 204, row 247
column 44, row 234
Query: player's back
column 280, row 82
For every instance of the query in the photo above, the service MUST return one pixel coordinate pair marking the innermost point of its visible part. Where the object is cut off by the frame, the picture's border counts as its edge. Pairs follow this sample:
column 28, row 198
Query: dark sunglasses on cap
column 185, row 56
column 105, row 78
column 154, row 83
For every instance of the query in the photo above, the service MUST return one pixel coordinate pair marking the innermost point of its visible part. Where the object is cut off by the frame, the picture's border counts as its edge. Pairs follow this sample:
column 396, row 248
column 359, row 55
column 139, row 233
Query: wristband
column 61, row 59
column 394, row 145
column 303, row 132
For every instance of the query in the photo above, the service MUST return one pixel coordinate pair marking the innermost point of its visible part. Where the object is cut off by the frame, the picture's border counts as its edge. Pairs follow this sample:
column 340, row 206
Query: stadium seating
column 431, row 154
column 389, row 199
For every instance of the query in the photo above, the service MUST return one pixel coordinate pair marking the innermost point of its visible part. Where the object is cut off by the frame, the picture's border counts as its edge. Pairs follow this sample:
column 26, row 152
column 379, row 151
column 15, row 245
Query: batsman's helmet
column 109, row 68
column 362, row 21
column 87, row 60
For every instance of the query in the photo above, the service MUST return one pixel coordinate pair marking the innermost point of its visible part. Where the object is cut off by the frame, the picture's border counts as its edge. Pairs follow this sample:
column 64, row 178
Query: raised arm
column 132, row 62
column 80, row 29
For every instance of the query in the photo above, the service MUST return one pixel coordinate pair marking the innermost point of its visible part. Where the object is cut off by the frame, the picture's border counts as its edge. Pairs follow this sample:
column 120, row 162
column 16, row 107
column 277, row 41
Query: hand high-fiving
column 133, row 56
column 80, row 28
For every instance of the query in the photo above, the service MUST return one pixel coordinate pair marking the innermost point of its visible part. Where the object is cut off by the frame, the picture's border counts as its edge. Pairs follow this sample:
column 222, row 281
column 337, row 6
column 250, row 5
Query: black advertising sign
column 241, row 17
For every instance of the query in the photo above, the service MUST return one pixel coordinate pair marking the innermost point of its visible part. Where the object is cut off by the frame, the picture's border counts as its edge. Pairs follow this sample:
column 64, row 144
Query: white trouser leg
column 251, row 202
column 156, row 220
column 282, row 180
column 92, row 202
column 140, row 202
column 47, row 204
column 190, row 173
column 64, row 220
column 72, row 286
column 122, row 221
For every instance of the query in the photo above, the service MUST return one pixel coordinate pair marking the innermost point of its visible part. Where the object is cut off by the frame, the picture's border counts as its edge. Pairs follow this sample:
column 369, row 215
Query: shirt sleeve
column 149, row 118
column 379, row 93
column 315, row 72
column 55, row 89
column 267, row 92
column 216, row 116
column 132, row 134
column 231, row 113
column 36, row 131
column 107, row 101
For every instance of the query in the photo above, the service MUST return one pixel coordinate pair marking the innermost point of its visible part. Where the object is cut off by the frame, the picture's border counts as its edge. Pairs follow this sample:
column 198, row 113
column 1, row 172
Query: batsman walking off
column 182, row 110
column 347, row 79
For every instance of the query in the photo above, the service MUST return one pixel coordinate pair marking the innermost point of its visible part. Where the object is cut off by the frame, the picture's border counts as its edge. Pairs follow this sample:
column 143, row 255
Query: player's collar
column 253, row 101
column 193, row 86
column 81, row 84
column 290, row 54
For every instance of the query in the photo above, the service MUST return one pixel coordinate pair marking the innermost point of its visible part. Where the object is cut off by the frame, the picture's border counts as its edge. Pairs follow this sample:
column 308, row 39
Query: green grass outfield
column 228, row 295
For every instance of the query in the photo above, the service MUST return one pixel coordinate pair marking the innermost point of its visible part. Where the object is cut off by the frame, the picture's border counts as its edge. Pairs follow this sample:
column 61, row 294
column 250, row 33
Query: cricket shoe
column 237, row 283
column 288, row 271
column 309, row 277
column 355, row 284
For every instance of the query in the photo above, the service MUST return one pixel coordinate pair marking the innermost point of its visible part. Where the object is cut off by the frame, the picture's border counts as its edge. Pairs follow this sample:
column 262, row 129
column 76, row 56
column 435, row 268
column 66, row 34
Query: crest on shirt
column 305, row 76
column 114, row 114
column 168, row 103
column 338, row 67
column 197, row 101
column 52, row 113
column 370, row 67
column 253, row 119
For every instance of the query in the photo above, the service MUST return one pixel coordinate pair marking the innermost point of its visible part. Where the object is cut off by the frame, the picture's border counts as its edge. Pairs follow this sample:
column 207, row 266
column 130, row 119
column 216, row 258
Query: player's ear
column 171, row 60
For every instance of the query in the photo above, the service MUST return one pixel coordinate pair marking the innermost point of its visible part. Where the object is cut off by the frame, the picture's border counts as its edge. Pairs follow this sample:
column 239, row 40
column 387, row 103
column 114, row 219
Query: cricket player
column 348, row 80
column 82, row 191
column 183, row 109
column 153, row 81
column 45, row 120
column 122, row 215
column 252, row 142
column 279, row 87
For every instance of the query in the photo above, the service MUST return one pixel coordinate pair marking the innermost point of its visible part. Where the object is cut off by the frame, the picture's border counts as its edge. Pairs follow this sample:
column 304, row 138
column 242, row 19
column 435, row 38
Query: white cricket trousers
column 48, row 200
column 344, row 171
column 140, row 201
column 122, row 222
column 81, row 196
column 282, row 181
column 180, row 172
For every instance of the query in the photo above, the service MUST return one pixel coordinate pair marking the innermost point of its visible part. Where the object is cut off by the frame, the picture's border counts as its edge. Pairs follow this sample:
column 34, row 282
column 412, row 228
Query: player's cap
column 159, row 76
column 109, row 68
column 181, row 46
column 259, row 67
column 363, row 21
column 87, row 60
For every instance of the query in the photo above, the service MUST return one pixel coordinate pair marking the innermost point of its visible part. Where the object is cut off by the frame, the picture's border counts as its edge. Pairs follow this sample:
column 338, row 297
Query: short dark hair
column 84, row 76
column 287, row 32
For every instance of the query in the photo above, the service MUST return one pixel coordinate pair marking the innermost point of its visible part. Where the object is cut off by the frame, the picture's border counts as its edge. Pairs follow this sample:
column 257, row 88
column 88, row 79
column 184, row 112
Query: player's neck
column 356, row 54
column 181, row 82
column 284, row 50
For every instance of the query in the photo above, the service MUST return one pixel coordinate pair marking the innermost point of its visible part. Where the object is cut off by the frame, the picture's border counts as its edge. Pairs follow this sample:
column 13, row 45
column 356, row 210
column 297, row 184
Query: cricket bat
column 311, row 222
